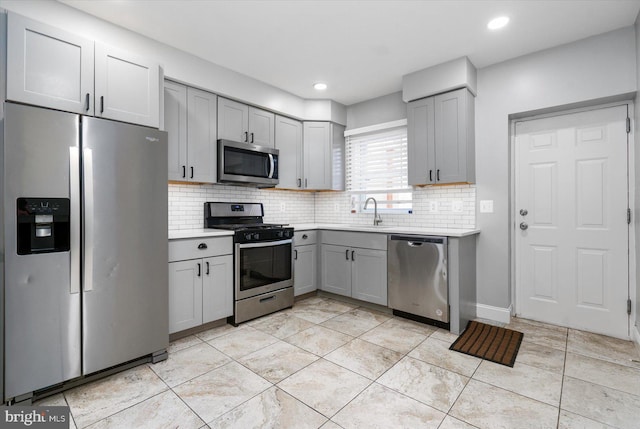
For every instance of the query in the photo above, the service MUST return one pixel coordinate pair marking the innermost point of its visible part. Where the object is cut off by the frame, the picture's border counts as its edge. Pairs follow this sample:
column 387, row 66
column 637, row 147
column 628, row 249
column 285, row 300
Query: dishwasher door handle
column 414, row 243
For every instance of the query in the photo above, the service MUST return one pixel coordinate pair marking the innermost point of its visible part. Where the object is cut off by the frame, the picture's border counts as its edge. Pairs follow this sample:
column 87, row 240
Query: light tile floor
column 328, row 364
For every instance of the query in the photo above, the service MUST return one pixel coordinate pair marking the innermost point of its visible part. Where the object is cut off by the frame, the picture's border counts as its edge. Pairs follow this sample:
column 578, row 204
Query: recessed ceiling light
column 498, row 22
column 320, row 86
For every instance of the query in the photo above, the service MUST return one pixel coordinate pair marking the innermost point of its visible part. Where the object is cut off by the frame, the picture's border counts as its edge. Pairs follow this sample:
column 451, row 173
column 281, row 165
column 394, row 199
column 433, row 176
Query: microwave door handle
column 271, row 166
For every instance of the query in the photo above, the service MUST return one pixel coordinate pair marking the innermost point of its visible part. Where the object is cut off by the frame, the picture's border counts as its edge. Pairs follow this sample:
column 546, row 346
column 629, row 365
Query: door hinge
column 629, row 306
column 628, row 216
column 628, row 125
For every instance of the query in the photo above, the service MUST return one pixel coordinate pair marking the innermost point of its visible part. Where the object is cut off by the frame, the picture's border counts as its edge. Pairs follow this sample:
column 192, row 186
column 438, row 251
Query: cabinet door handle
column 305, row 183
column 246, row 137
column 207, row 267
column 86, row 102
column 202, row 246
column 305, row 236
column 199, row 269
column 192, row 172
column 353, row 255
column 347, row 254
column 295, row 254
column 299, row 183
column 430, row 175
column 438, row 175
column 101, row 103
column 251, row 137
column 184, row 171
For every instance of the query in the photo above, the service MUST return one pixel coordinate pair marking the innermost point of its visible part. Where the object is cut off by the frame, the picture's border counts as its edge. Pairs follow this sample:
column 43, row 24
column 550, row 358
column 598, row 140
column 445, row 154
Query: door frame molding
column 630, row 188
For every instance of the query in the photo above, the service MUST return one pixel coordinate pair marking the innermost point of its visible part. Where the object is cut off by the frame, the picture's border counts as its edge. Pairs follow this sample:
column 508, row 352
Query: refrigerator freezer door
column 125, row 307
column 42, row 316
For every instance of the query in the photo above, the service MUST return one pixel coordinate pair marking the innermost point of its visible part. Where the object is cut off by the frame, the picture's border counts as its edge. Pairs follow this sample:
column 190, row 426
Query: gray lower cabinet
column 190, row 119
column 359, row 270
column 305, row 262
column 440, row 139
column 369, row 275
column 305, row 269
column 200, row 282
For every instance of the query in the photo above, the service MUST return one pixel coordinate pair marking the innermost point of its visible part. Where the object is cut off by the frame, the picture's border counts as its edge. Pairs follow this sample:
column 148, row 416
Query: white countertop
column 446, row 232
column 197, row 233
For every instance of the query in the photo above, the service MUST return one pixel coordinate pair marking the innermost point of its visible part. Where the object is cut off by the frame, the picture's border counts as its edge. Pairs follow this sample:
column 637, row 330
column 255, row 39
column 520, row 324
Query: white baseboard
column 635, row 336
column 498, row 314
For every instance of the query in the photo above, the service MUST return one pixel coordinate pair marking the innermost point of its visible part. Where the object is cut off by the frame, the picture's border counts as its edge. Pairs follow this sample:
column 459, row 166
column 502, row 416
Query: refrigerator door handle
column 87, row 159
column 74, row 233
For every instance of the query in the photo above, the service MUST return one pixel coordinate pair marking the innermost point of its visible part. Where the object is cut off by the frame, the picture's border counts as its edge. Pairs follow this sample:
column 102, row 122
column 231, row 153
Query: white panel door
column 572, row 234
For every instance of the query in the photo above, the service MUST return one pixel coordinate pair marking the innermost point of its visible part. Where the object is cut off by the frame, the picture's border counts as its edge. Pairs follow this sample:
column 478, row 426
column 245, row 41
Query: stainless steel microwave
column 247, row 164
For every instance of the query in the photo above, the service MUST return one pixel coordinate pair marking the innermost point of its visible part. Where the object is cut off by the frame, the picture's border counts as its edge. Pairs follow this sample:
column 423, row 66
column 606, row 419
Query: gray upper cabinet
column 175, row 123
column 261, row 127
column 289, row 143
column 241, row 123
column 52, row 68
column 233, row 120
column 323, row 156
column 49, row 67
column 190, row 119
column 201, row 136
column 441, row 139
column 126, row 87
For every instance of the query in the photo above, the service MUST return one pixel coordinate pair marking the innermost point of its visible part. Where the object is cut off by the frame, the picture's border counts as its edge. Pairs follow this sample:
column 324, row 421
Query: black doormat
column 489, row 342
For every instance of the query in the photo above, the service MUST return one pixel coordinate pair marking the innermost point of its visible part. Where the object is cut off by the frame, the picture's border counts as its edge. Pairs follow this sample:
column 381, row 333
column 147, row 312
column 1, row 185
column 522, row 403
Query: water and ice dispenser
column 43, row 225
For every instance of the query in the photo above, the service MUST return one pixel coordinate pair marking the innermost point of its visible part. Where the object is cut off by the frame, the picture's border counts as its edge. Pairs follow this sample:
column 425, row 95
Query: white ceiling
column 360, row 48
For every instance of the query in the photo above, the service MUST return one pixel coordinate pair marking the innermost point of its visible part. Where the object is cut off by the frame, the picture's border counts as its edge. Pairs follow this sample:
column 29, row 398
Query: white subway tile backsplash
column 186, row 206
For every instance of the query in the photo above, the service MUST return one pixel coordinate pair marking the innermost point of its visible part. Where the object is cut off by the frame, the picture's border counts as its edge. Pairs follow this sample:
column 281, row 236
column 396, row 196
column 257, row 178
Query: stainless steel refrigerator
column 84, row 245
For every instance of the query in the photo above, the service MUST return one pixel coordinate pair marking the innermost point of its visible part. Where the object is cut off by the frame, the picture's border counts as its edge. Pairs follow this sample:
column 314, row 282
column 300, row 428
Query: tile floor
column 328, row 364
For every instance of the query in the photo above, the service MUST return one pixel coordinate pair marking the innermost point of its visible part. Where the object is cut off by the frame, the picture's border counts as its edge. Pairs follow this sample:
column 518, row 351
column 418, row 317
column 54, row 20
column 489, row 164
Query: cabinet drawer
column 362, row 240
column 302, row 238
column 183, row 249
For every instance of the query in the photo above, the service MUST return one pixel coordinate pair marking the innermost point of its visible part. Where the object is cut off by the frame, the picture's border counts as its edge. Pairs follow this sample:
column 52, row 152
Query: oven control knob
column 256, row 236
column 279, row 234
column 247, row 236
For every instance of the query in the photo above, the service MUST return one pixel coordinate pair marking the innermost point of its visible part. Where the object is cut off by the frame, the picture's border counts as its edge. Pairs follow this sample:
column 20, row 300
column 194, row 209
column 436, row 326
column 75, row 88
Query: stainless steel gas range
column 263, row 258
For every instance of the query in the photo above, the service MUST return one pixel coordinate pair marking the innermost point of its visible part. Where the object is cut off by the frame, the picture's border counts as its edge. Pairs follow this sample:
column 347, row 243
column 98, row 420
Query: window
column 376, row 166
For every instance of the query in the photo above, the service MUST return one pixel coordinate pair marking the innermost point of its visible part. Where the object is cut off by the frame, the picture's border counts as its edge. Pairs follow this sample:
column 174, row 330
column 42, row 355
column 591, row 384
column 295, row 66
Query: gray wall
column 595, row 68
column 376, row 111
column 636, row 209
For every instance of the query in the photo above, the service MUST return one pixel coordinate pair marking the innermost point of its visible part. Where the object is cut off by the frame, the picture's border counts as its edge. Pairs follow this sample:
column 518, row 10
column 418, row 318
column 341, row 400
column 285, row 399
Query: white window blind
column 376, row 165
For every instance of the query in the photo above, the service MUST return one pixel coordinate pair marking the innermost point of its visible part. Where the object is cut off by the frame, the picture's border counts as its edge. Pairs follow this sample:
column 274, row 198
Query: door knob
column 523, row 212
column 524, row 226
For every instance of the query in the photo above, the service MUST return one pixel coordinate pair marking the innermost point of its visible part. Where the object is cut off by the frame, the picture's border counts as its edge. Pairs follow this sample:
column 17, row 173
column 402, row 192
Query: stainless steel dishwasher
column 417, row 277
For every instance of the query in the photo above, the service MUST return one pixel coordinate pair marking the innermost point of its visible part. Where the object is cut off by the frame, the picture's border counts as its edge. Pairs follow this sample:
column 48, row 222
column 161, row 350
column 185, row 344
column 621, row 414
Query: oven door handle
column 264, row 244
column 271, row 165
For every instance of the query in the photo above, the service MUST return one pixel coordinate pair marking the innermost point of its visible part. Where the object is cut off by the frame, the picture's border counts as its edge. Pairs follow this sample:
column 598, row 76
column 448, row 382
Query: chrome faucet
column 376, row 217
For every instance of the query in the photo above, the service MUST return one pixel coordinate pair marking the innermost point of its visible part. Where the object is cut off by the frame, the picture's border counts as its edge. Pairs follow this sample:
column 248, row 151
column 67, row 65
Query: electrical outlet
column 283, row 207
column 456, row 206
column 486, row 206
column 336, row 207
column 432, row 206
